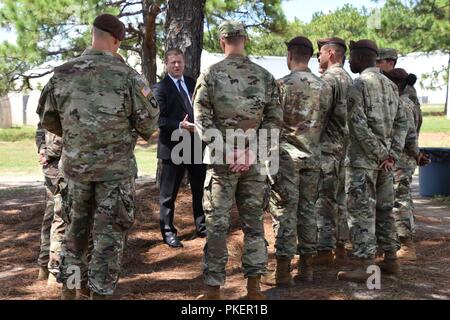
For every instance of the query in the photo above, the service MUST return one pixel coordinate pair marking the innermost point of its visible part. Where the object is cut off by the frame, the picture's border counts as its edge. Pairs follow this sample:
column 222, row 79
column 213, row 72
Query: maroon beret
column 300, row 41
column 397, row 74
column 110, row 24
column 364, row 44
column 335, row 41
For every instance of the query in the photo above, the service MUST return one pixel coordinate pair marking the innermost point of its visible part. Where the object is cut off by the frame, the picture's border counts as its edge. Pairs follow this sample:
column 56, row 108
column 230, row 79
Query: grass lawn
column 20, row 159
column 435, row 131
column 436, row 124
column 17, row 134
column 434, row 119
column 18, row 155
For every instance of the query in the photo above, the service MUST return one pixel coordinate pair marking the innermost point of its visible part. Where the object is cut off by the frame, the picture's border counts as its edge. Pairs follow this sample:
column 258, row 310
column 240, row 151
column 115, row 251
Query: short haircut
column 172, row 52
column 234, row 40
column 339, row 50
column 99, row 33
column 300, row 53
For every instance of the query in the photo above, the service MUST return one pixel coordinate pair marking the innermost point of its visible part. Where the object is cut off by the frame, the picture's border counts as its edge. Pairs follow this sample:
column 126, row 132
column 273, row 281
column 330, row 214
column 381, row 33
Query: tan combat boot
column 254, row 289
column 324, row 258
column 282, row 276
column 212, row 293
column 305, row 268
column 68, row 294
column 340, row 252
column 407, row 250
column 359, row 273
column 43, row 273
column 390, row 264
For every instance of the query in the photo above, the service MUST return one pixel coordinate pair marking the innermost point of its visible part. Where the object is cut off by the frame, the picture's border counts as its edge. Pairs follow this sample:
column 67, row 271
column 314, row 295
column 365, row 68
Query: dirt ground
column 153, row 271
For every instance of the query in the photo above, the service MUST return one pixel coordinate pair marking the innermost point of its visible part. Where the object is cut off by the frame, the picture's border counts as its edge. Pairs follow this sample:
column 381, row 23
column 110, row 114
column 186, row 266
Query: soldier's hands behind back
column 242, row 160
column 42, row 160
column 423, row 159
column 387, row 165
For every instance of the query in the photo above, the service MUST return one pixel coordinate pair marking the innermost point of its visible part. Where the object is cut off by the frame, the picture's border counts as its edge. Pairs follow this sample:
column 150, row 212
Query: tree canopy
column 50, row 30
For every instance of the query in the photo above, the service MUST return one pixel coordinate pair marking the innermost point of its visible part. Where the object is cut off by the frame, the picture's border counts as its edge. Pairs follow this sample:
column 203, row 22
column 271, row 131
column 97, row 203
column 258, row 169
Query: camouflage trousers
column 370, row 195
column 331, row 206
column 52, row 228
column 222, row 187
column 104, row 210
column 292, row 202
column 404, row 205
column 342, row 232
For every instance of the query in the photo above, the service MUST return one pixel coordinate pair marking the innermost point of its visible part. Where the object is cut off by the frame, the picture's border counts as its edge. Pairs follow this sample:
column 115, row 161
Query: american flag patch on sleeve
column 145, row 91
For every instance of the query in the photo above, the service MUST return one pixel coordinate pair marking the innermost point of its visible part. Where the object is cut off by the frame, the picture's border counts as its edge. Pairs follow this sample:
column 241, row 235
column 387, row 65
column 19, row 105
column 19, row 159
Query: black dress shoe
column 173, row 241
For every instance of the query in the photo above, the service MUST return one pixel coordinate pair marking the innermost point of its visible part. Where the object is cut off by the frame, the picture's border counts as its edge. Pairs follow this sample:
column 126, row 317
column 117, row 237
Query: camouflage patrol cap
column 387, row 54
column 110, row 24
column 334, row 41
column 300, row 41
column 232, row 28
column 364, row 44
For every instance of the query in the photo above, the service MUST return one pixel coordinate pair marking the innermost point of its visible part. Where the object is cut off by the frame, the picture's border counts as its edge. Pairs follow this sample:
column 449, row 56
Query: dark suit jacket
column 171, row 112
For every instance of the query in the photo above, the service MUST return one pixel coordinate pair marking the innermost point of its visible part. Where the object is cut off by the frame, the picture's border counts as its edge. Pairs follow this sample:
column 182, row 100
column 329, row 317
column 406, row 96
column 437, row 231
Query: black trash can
column 434, row 179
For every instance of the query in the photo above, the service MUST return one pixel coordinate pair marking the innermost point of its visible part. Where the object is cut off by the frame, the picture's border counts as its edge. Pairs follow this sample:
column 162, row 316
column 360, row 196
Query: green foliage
column 46, row 30
column 416, row 26
column 49, row 30
column 59, row 29
column 17, row 134
column 256, row 15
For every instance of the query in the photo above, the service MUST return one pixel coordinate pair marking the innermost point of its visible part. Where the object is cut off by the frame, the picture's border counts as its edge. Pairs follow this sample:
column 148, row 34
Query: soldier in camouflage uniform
column 403, row 174
column 52, row 231
column 405, row 167
column 386, row 61
column 332, row 219
column 306, row 100
column 234, row 94
column 377, row 127
column 95, row 102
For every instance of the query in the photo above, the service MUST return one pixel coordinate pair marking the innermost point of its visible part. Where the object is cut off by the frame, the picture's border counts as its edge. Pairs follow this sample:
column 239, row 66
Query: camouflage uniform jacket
column 95, row 102
column 51, row 145
column 334, row 139
column 377, row 123
column 410, row 91
column 306, row 101
column 411, row 150
column 236, row 93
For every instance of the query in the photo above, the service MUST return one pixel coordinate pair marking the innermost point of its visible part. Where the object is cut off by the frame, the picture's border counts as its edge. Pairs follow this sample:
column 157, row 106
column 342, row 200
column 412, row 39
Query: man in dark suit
column 174, row 95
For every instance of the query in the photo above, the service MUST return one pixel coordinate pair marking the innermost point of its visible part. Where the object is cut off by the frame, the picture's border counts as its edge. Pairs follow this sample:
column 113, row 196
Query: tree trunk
column 184, row 30
column 151, row 11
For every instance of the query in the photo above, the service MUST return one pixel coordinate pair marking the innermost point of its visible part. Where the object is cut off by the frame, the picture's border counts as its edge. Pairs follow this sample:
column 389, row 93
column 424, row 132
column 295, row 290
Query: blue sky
column 302, row 9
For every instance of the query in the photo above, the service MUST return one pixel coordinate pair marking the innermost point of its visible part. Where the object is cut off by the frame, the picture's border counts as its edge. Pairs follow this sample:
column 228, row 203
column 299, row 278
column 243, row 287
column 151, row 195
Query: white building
column 23, row 108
